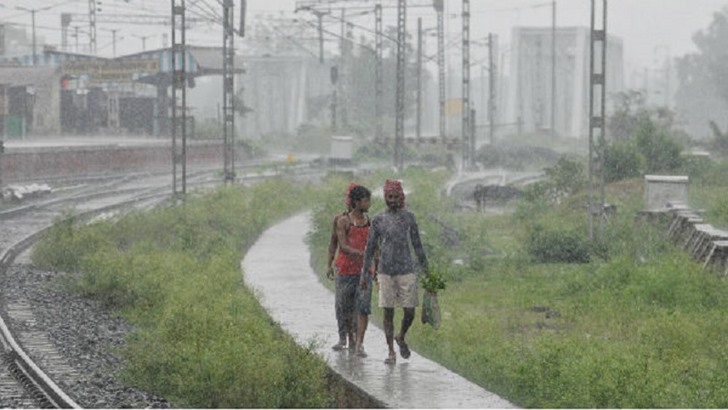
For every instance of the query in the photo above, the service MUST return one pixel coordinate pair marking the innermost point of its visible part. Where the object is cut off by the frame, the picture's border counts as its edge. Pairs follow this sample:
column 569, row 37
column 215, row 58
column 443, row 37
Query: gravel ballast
column 85, row 333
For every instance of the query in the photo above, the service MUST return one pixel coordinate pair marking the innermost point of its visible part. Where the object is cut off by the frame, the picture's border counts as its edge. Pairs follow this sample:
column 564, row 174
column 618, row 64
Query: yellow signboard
column 100, row 71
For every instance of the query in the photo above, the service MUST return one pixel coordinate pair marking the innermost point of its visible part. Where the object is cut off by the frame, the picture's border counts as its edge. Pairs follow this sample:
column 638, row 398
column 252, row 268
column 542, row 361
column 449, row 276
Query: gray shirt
column 392, row 232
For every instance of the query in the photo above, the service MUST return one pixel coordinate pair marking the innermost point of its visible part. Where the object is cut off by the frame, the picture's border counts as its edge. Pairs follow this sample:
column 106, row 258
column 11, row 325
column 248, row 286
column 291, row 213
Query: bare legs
column 389, row 334
column 361, row 327
column 351, row 326
column 407, row 319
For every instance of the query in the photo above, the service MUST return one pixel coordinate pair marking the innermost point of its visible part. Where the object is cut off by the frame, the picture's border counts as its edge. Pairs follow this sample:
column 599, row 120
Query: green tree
column 658, row 147
column 702, row 95
column 622, row 161
column 629, row 110
column 720, row 139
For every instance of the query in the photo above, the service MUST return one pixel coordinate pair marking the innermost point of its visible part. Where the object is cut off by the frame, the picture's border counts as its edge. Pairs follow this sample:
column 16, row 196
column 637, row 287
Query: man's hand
column 330, row 272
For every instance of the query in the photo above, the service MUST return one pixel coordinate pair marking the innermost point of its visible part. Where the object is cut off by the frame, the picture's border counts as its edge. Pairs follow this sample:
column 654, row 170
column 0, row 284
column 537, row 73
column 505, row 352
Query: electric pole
column 228, row 91
column 399, row 101
column 419, row 79
column 32, row 19
column 598, row 83
column 379, row 82
column 491, row 89
column 65, row 22
column 439, row 8
column 179, row 97
column 553, row 69
column 92, row 26
column 467, row 155
column 343, row 69
column 320, row 16
column 334, row 102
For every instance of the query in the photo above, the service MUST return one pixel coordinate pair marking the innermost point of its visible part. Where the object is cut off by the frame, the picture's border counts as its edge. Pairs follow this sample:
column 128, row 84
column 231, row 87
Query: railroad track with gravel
column 49, row 338
column 34, row 372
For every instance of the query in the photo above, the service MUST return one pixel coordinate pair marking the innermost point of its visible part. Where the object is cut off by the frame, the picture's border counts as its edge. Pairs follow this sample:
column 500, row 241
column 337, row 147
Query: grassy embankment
column 643, row 328
column 641, row 325
column 202, row 339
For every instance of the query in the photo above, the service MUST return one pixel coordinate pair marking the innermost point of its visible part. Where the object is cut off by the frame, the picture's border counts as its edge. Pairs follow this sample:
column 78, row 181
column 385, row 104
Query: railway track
column 34, row 372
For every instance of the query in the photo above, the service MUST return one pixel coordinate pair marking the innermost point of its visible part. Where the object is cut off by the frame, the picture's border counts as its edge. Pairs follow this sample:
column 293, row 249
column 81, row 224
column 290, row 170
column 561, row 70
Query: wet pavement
column 277, row 267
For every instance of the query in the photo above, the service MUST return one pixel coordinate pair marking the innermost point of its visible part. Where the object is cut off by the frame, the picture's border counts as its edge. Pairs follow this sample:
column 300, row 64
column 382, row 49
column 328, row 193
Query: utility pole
column 379, row 82
column 65, row 22
column 597, row 80
column 32, row 17
column 439, row 8
column 399, row 101
column 144, row 41
column 179, row 97
column 491, row 89
column 320, row 16
column 473, row 127
column 228, row 91
column 343, row 69
column 553, row 69
column 75, row 31
column 467, row 155
column 35, row 54
column 113, row 41
column 419, row 79
column 92, row 26
column 334, row 102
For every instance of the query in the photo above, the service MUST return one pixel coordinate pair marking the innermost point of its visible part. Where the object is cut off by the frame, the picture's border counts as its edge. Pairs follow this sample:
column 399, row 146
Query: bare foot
column 403, row 348
column 359, row 351
column 392, row 359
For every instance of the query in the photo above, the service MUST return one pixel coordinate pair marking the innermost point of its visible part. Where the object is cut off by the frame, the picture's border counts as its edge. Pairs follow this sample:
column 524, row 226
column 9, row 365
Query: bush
column 660, row 150
column 622, row 161
column 202, row 338
column 557, row 246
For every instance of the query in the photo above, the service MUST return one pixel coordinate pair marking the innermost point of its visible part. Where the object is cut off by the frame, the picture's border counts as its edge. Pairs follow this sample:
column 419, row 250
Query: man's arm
column 371, row 248
column 417, row 245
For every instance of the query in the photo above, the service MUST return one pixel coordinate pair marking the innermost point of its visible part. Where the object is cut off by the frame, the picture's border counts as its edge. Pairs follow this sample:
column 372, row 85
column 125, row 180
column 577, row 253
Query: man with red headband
column 391, row 233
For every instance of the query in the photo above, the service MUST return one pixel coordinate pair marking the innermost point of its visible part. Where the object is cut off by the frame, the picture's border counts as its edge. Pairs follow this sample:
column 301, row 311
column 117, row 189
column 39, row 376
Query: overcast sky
column 650, row 29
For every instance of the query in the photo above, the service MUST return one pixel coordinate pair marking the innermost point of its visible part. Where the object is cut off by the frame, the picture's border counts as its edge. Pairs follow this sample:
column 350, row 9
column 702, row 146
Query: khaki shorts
column 398, row 290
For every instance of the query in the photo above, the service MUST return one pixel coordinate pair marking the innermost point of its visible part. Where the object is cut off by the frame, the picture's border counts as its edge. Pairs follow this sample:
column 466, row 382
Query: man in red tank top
column 352, row 232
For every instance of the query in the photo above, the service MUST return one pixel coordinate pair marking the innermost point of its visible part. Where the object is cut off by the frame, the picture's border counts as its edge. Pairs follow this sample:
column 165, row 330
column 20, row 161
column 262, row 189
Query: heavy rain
column 363, row 203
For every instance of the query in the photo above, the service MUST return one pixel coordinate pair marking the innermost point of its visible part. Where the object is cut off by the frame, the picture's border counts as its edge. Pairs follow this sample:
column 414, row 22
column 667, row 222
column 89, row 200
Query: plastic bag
column 431, row 309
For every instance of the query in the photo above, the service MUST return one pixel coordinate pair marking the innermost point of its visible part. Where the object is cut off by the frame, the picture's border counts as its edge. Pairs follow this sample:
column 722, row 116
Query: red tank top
column 357, row 237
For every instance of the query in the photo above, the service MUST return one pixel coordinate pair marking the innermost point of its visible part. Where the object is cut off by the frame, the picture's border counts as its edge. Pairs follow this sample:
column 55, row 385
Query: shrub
column 557, row 246
column 622, row 161
column 660, row 150
column 202, row 338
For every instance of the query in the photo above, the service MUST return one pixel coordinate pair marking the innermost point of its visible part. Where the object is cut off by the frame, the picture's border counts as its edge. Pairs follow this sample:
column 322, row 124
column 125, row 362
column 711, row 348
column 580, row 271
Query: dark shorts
column 364, row 297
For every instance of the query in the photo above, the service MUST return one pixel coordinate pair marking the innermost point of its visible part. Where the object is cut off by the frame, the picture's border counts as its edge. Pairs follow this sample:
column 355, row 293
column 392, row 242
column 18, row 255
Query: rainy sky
column 651, row 29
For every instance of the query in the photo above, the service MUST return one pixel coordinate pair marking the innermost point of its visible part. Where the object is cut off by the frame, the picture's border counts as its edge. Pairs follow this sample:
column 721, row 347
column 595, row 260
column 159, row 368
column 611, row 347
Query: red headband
column 393, row 185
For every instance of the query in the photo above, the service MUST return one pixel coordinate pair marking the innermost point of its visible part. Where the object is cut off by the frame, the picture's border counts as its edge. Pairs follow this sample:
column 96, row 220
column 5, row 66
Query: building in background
column 285, row 92
column 529, row 99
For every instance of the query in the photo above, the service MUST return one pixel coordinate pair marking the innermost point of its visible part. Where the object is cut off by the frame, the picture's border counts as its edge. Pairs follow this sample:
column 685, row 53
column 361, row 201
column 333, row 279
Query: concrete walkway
column 278, row 268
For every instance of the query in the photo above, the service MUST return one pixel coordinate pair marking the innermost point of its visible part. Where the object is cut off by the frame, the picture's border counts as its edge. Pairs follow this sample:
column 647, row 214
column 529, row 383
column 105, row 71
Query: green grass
column 202, row 339
column 641, row 325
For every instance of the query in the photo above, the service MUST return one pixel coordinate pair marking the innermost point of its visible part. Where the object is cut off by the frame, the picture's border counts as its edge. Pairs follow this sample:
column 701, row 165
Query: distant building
column 529, row 99
column 285, row 92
